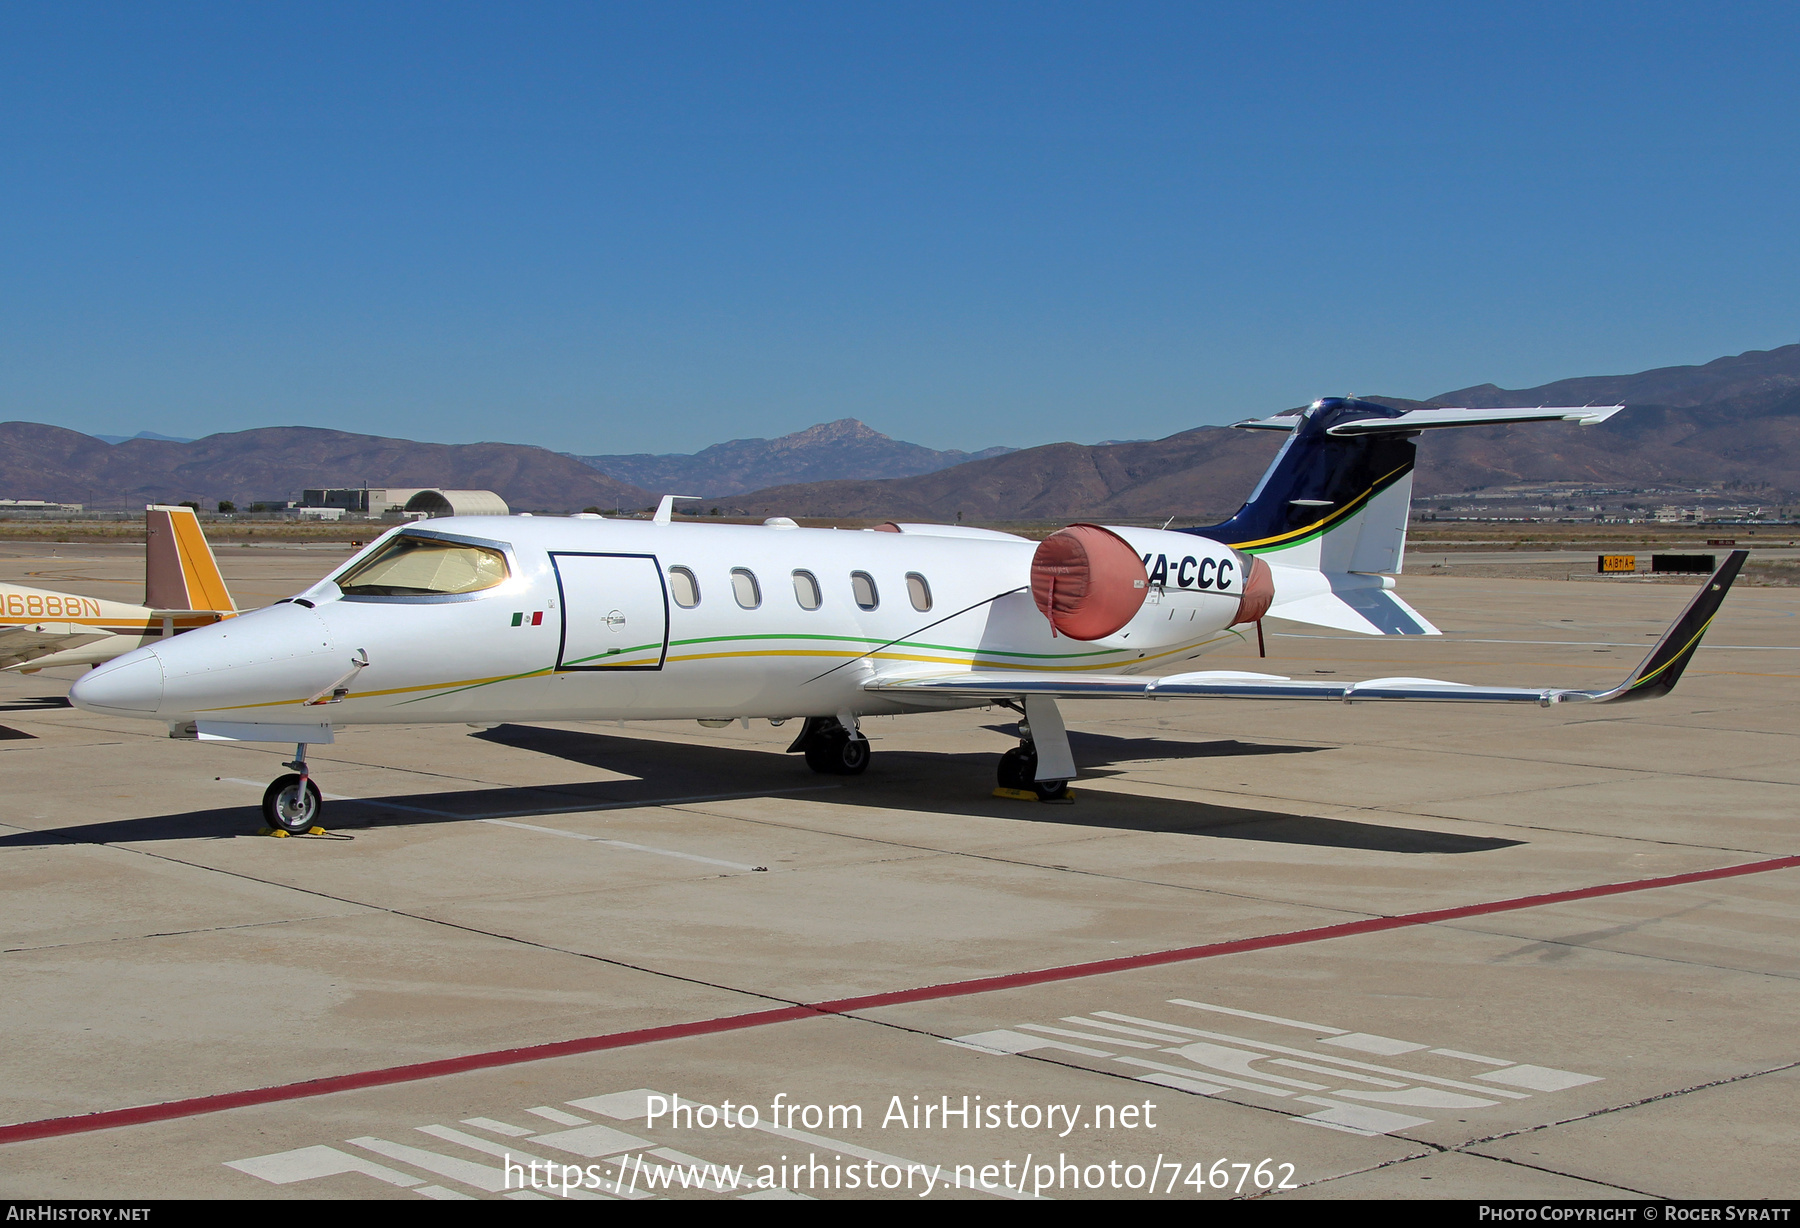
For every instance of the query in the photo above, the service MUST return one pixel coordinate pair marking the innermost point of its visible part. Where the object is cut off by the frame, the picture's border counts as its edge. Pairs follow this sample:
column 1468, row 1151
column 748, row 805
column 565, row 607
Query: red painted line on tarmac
column 54, row 1127
column 1373, row 925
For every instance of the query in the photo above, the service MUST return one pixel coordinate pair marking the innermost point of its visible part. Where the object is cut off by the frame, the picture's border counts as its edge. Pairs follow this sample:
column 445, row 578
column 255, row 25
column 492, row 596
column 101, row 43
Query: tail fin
column 1339, row 493
column 1336, row 501
column 180, row 572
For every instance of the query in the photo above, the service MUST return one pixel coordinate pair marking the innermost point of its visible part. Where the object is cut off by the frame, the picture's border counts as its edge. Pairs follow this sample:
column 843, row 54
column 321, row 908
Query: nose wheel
column 292, row 803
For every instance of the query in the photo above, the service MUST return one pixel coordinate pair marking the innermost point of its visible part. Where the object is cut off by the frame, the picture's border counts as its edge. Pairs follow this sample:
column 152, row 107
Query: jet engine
column 1095, row 582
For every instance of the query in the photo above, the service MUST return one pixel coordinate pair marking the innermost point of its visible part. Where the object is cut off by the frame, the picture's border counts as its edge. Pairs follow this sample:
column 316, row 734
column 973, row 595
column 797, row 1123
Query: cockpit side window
column 424, row 567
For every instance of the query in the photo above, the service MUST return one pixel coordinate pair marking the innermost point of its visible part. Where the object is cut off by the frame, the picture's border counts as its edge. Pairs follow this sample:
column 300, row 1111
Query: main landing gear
column 292, row 803
column 1019, row 767
column 831, row 749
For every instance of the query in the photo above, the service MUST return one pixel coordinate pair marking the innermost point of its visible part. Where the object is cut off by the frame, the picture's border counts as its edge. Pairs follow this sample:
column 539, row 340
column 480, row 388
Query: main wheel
column 852, row 756
column 837, row 754
column 1018, row 770
column 290, row 808
column 1017, row 767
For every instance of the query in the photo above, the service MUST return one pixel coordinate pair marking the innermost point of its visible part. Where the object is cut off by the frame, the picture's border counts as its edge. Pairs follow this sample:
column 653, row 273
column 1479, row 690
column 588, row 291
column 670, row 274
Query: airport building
column 412, row 500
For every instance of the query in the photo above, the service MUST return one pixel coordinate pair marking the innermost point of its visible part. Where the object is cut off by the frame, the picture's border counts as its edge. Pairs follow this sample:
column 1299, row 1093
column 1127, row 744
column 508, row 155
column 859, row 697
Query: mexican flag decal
column 535, row 619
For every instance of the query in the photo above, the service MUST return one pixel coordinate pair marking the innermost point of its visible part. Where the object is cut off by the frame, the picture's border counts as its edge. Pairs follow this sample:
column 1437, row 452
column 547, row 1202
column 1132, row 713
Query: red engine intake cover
column 1259, row 592
column 1088, row 581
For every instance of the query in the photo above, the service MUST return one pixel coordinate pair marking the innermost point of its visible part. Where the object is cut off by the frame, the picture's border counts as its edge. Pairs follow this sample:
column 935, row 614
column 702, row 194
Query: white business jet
column 183, row 590
column 495, row 619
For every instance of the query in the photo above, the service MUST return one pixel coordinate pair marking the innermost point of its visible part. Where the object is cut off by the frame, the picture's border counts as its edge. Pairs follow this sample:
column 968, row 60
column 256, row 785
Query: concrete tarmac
column 705, row 919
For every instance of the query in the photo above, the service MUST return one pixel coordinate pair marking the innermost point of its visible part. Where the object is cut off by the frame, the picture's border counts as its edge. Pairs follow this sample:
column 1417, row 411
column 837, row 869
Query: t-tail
column 180, row 572
column 1330, row 515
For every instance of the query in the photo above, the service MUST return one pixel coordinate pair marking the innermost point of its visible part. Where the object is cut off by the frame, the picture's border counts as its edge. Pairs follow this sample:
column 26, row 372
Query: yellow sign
column 1618, row 562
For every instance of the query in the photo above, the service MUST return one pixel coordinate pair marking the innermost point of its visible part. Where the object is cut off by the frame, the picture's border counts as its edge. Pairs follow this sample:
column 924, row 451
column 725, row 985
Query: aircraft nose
column 132, row 683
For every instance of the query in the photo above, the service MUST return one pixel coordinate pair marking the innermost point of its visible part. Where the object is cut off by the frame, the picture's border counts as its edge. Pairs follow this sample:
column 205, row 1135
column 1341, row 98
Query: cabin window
column 744, row 588
column 862, row 586
column 806, row 590
column 684, row 588
column 424, row 567
column 919, row 589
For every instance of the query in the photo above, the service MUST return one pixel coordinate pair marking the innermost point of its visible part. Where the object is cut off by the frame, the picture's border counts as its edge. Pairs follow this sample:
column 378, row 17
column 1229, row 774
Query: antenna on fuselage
column 666, row 508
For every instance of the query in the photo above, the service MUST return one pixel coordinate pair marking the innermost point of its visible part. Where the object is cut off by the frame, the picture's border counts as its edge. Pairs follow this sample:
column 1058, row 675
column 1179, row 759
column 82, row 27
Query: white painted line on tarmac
column 1190, row 1072
column 557, row 1115
column 1473, row 1057
column 620, row 844
column 480, row 1176
column 257, row 784
column 308, row 1163
column 1336, row 1074
column 1540, row 1078
column 1335, row 1061
column 1182, row 1083
column 1381, row 1046
column 1356, row 1119
column 1104, row 1040
column 1163, row 1036
column 1317, row 1028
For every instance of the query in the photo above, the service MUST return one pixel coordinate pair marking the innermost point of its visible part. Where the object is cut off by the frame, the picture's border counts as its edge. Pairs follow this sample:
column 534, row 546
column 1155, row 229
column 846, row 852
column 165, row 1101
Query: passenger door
column 615, row 611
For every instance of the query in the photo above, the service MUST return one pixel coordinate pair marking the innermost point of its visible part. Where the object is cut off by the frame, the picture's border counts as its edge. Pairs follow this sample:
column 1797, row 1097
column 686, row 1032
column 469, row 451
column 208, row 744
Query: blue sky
column 619, row 228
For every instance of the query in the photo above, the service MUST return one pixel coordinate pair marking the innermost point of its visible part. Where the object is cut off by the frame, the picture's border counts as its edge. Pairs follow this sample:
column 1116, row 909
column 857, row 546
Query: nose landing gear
column 292, row 804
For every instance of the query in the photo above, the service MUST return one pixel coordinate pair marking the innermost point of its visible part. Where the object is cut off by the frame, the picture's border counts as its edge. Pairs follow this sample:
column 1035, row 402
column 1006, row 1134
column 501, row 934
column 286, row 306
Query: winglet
column 180, row 572
column 1661, row 670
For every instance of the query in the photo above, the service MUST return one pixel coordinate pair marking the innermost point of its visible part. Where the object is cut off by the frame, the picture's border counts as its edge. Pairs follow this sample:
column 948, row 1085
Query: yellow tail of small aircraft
column 182, row 590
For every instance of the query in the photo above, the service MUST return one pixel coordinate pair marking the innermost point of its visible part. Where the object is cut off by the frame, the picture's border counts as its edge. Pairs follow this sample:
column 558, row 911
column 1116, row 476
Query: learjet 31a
column 495, row 619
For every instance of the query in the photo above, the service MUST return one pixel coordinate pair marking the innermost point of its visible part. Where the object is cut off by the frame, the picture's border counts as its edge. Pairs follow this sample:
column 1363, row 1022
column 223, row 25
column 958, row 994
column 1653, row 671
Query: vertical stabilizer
column 1329, row 502
column 1330, row 515
column 180, row 572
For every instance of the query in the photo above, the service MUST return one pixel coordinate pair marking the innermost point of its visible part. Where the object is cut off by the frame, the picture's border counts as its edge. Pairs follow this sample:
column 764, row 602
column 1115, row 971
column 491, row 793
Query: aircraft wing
column 1656, row 676
column 21, row 644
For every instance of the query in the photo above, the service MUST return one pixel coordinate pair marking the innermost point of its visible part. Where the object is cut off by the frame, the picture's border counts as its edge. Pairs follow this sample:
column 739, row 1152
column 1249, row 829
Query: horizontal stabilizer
column 21, row 645
column 1366, row 608
column 1425, row 419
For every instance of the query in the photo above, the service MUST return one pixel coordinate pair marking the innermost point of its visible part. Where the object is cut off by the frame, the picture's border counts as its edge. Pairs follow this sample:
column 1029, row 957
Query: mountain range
column 1733, row 421
column 842, row 449
column 277, row 462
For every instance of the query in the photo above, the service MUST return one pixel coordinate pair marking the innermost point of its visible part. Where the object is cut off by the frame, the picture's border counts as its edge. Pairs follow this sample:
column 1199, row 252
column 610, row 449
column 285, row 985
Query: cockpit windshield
column 410, row 566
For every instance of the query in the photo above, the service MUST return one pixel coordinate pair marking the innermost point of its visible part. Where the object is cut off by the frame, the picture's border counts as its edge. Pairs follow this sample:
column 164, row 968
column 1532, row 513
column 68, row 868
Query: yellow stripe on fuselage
column 976, row 663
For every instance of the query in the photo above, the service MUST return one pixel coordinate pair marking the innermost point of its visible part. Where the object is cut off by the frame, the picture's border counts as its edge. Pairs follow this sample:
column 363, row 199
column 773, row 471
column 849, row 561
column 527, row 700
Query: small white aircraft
column 182, row 590
column 495, row 619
